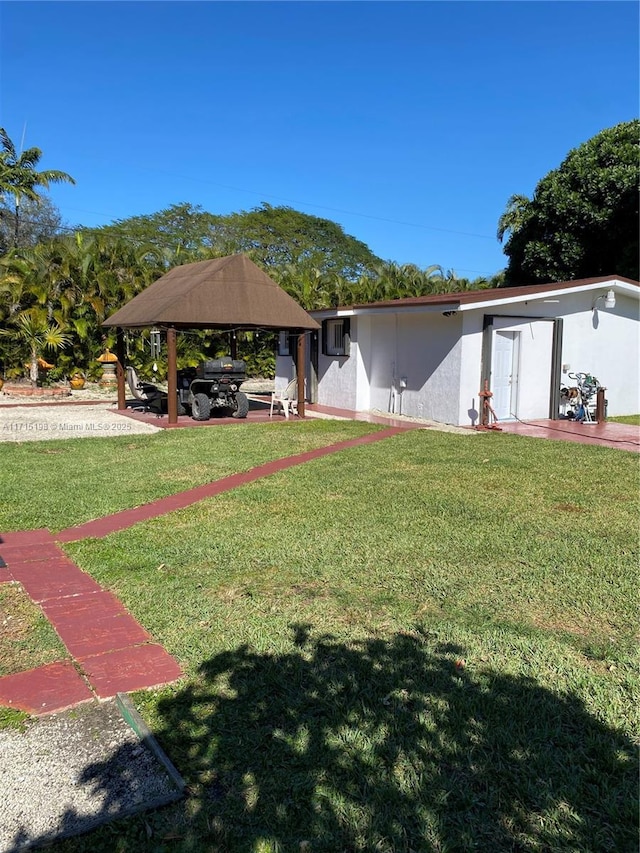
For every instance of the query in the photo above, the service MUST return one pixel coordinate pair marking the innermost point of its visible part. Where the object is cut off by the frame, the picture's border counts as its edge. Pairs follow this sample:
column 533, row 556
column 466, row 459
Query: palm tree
column 14, row 293
column 309, row 286
column 400, row 281
column 31, row 328
column 514, row 217
column 20, row 178
column 73, row 283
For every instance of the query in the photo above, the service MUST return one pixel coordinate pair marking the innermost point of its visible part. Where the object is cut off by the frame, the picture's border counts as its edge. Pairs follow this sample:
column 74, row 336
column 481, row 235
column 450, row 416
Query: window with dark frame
column 336, row 337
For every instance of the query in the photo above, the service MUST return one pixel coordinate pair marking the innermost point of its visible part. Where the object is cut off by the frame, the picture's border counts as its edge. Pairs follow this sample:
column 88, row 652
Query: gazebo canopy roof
column 230, row 292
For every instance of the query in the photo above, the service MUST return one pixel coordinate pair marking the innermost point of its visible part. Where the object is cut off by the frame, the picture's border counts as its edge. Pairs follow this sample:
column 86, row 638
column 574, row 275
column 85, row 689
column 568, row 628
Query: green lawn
column 27, row 639
column 428, row 643
column 59, row 484
column 627, row 419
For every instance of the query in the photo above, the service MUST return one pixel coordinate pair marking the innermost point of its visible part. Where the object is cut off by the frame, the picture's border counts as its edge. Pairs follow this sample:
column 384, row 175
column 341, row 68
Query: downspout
column 556, row 369
column 313, row 368
column 393, row 388
column 487, row 339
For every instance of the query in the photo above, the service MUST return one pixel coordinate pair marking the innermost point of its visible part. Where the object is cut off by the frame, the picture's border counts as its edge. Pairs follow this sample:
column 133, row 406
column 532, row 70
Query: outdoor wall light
column 609, row 300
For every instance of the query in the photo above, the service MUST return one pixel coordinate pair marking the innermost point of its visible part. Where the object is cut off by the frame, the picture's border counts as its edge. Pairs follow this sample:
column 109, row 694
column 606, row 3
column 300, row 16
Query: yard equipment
column 213, row 386
column 580, row 399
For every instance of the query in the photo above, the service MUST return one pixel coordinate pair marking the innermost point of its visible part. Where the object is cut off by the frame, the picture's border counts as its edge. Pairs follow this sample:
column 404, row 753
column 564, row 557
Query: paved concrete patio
column 606, row 434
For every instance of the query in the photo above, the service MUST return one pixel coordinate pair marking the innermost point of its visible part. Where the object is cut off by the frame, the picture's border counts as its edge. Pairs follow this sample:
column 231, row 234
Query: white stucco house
column 429, row 357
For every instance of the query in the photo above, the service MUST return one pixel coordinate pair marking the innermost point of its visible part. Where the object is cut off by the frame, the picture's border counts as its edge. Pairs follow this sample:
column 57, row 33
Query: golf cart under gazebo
column 228, row 294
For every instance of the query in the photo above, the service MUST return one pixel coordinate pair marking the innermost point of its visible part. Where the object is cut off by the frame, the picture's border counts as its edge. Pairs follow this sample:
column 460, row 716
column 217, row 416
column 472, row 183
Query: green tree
column 37, row 222
column 73, row 283
column 31, row 329
column 182, row 232
column 583, row 218
column 277, row 236
column 309, row 286
column 20, row 179
column 515, row 216
column 274, row 237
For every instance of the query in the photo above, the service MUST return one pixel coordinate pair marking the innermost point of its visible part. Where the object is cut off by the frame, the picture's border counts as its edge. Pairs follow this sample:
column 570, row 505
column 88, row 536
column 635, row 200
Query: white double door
column 505, row 359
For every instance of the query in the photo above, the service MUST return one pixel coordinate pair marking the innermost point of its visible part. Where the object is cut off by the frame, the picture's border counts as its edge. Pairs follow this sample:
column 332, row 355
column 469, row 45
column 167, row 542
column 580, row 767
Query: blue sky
column 410, row 124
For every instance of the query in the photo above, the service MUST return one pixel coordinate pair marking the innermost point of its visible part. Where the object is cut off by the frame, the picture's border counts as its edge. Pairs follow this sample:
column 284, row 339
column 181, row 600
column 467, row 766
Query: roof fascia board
column 623, row 287
column 619, row 286
column 330, row 313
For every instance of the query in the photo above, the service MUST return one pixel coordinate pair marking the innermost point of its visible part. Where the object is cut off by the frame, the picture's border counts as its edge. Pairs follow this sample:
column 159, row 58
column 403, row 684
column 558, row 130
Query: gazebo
column 229, row 293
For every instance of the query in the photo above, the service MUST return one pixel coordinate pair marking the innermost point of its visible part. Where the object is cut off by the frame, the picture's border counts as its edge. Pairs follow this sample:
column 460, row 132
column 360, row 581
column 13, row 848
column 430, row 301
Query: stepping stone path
column 112, row 653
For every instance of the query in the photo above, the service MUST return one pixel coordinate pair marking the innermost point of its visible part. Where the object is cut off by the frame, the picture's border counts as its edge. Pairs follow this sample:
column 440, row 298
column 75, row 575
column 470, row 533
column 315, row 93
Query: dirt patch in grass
column 558, row 626
column 194, row 474
column 569, row 508
column 309, row 592
column 229, row 594
column 597, row 640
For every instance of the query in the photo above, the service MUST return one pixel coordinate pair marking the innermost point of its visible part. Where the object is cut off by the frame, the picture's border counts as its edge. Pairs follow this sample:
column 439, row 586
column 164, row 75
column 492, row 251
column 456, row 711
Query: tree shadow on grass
column 391, row 745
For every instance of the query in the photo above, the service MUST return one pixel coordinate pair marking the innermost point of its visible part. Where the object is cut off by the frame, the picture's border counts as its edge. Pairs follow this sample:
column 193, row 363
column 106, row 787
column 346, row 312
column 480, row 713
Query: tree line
column 58, row 284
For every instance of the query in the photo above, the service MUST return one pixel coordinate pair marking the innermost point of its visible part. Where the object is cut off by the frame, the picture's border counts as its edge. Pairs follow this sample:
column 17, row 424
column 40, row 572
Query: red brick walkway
column 112, row 653
column 121, row 520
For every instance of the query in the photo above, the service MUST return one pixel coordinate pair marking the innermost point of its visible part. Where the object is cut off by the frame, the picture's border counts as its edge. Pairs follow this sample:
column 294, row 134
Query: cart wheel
column 242, row 405
column 201, row 407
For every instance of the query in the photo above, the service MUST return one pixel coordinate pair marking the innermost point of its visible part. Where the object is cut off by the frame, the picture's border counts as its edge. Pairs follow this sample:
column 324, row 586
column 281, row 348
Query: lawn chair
column 148, row 397
column 285, row 400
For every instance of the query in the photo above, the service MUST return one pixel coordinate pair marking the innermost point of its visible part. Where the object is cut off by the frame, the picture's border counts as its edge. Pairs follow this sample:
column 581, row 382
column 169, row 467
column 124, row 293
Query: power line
column 201, row 181
column 113, row 229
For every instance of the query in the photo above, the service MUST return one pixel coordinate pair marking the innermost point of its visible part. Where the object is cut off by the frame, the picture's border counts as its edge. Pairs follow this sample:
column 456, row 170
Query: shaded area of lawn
column 386, row 745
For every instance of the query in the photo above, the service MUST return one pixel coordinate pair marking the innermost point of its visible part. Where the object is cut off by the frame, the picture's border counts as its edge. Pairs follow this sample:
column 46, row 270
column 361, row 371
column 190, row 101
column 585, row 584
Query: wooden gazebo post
column 300, row 371
column 120, row 353
column 172, row 376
